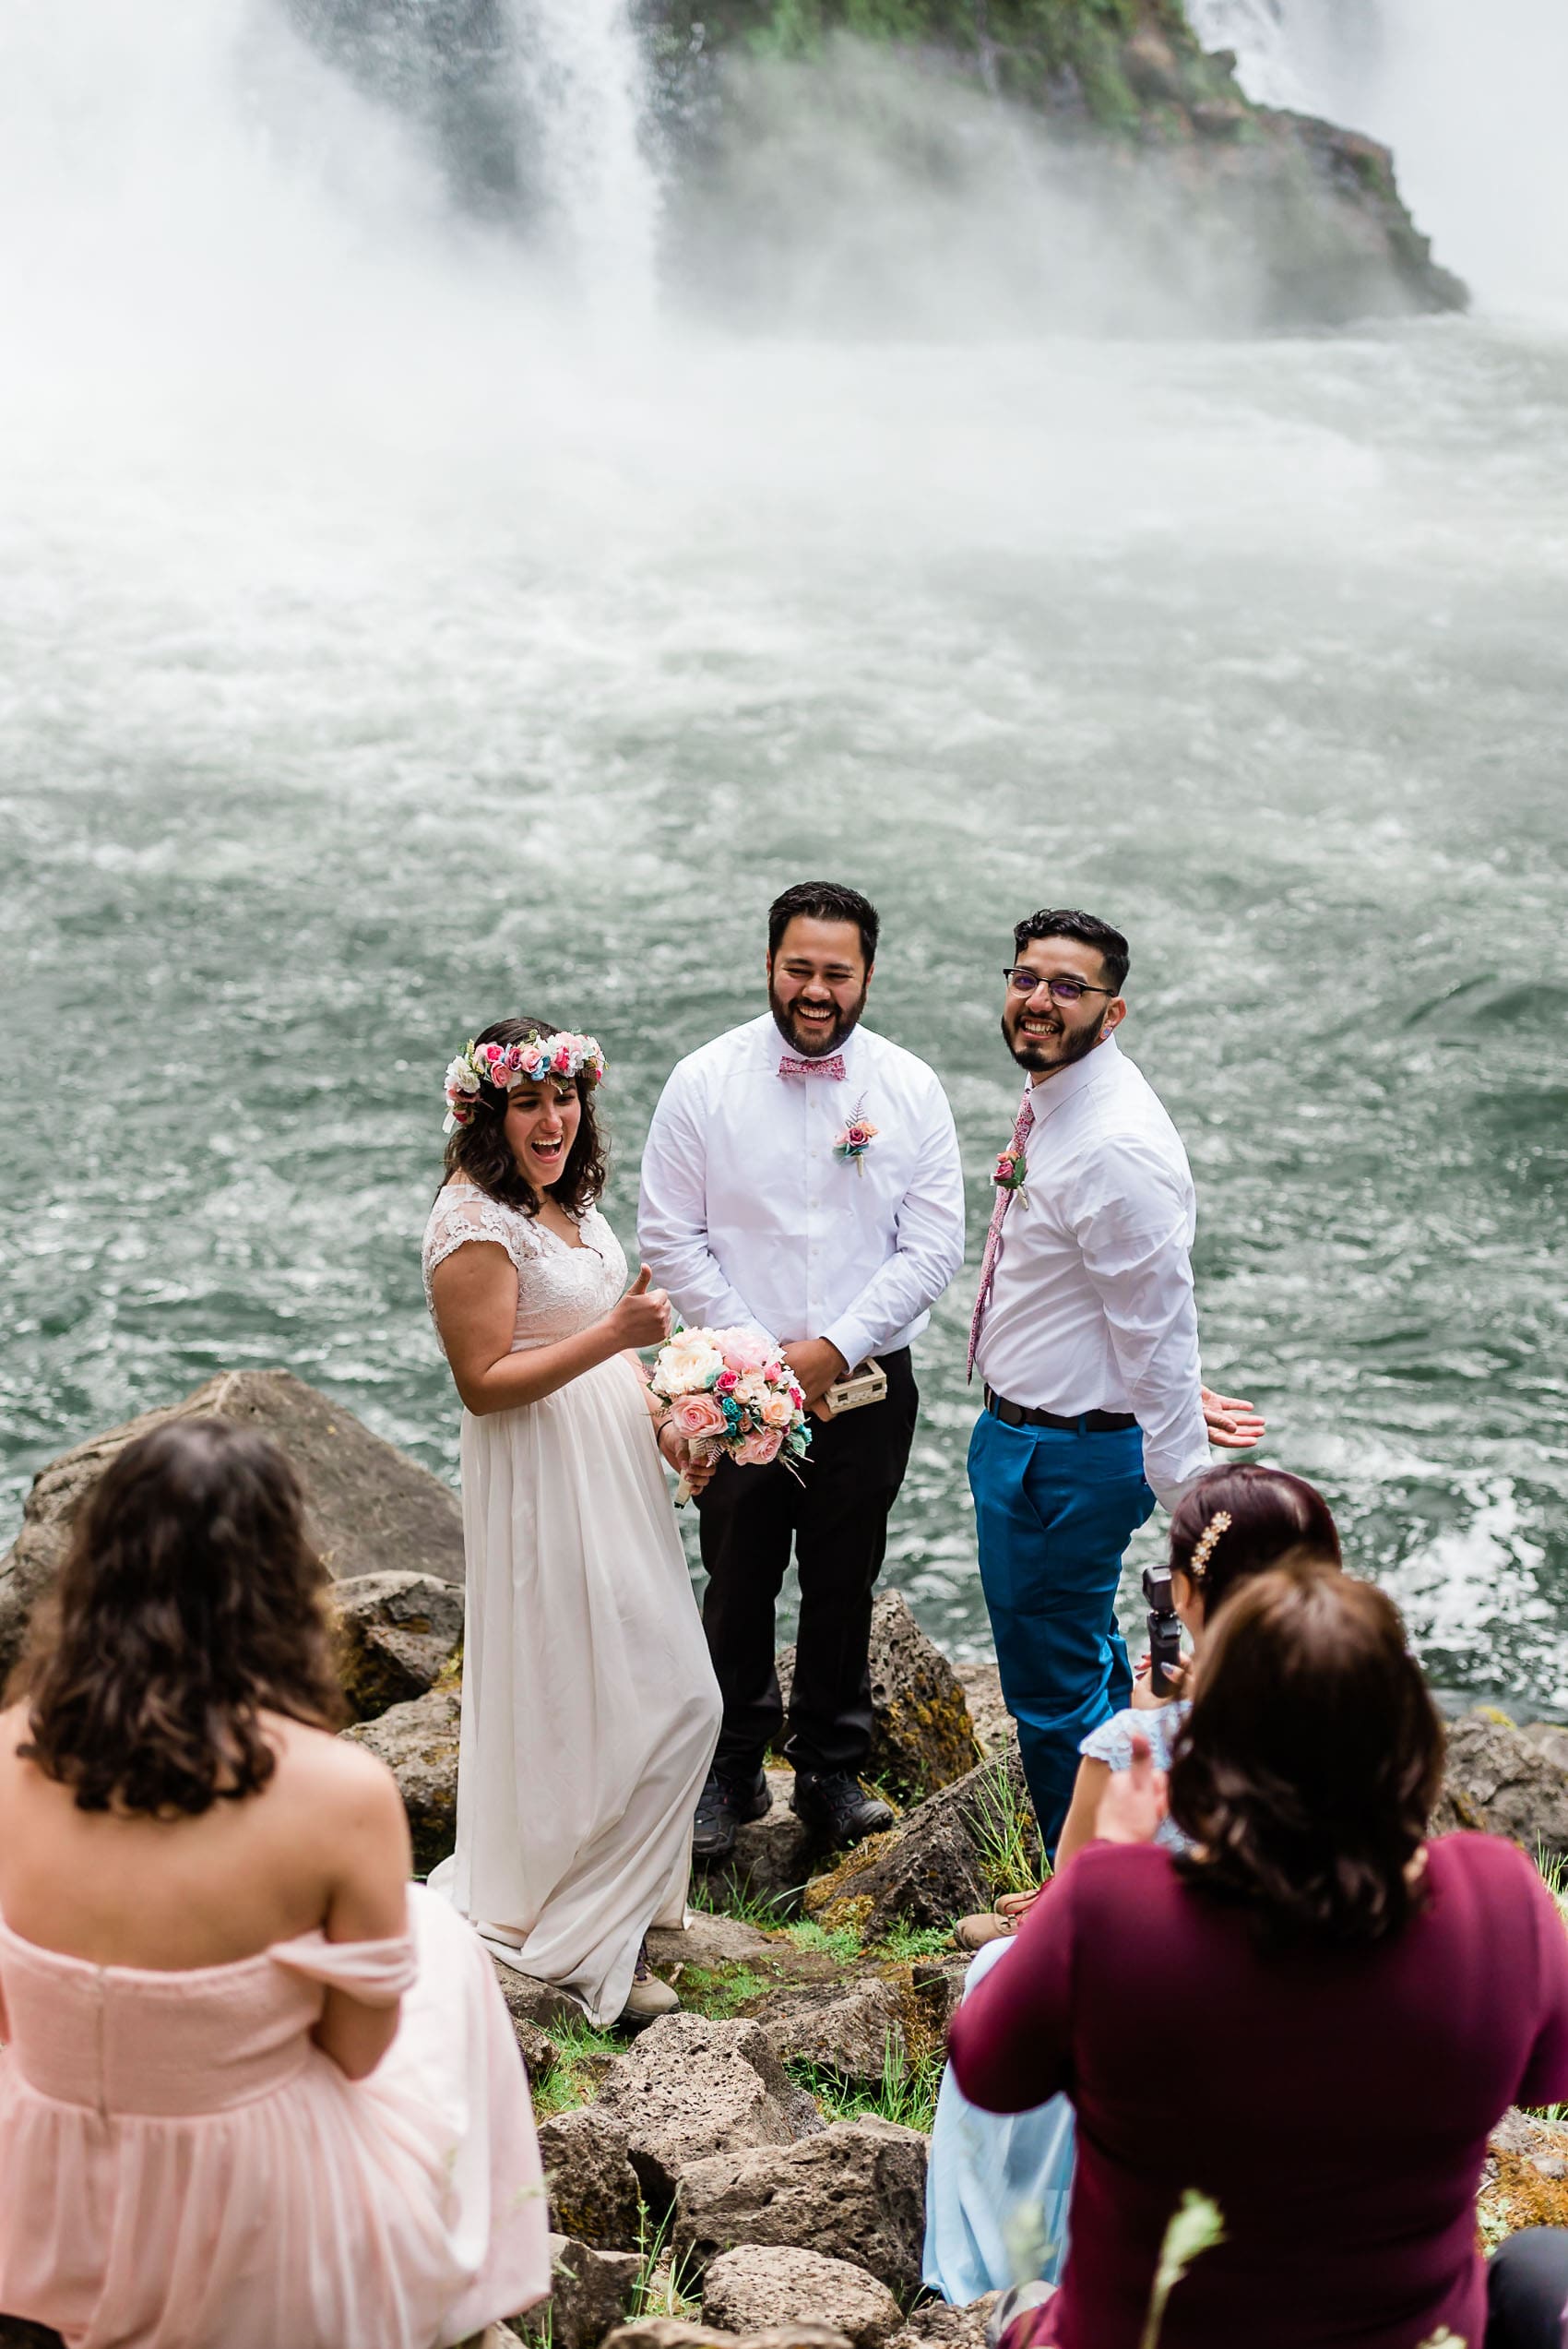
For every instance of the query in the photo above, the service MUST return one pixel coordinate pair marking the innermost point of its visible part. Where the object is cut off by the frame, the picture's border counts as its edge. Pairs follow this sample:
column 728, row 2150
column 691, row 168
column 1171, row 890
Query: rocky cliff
column 1134, row 182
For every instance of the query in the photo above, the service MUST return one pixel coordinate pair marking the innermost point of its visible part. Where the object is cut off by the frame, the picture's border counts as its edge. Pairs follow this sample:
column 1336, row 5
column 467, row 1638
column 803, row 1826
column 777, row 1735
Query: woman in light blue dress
column 998, row 2184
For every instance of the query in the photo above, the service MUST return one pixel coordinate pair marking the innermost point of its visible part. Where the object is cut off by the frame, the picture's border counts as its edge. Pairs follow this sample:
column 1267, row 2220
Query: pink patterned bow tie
column 993, row 1238
column 832, row 1066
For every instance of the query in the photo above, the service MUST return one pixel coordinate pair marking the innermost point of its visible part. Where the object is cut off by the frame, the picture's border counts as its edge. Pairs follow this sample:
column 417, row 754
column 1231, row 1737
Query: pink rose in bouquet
column 743, row 1349
column 695, row 1415
column 777, row 1412
column 761, row 1445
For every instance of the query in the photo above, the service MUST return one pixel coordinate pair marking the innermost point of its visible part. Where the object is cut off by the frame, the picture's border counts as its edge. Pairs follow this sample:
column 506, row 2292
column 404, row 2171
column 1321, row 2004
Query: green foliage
column 838, row 1942
column 718, row 1991
column 716, row 1893
column 907, row 1942
column 904, row 2094
column 572, row 2081
column 1196, row 2226
column 660, row 2288
column 1005, row 1834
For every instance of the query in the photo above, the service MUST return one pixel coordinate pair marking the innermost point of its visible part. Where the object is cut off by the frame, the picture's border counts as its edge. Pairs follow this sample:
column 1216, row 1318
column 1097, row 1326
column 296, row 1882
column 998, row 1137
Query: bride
column 590, row 1710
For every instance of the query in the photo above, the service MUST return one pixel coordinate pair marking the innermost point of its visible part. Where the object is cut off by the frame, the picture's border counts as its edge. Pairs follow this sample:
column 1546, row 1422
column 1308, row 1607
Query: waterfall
column 582, row 69
column 1468, row 97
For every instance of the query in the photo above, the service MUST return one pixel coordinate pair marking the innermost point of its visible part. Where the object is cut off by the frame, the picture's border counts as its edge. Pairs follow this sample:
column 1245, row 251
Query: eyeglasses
column 1025, row 981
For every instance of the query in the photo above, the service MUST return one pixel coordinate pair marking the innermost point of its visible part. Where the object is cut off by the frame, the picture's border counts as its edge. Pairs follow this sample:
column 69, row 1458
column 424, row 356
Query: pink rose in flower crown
column 695, row 1415
column 761, row 1445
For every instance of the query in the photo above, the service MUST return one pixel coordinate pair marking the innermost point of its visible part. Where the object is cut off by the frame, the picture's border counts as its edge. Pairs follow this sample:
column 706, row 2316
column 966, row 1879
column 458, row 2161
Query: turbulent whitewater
column 398, row 620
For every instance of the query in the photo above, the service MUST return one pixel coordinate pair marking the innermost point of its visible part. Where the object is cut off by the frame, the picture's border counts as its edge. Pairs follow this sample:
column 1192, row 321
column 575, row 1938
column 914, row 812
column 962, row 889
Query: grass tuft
column 575, row 2081
column 905, row 2092
column 1005, row 1834
column 906, row 1941
column 666, row 2284
column 839, row 1942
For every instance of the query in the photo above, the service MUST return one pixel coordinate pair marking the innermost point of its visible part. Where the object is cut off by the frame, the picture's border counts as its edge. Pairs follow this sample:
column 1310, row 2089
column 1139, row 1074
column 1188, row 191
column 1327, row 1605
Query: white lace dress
column 590, row 1710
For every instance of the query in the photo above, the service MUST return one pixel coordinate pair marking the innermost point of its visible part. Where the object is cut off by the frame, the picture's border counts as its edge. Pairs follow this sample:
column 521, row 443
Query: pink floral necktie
column 993, row 1238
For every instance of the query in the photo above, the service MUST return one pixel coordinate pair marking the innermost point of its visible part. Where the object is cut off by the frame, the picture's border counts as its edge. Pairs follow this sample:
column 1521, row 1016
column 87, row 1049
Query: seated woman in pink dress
column 255, row 2090
column 1312, row 2016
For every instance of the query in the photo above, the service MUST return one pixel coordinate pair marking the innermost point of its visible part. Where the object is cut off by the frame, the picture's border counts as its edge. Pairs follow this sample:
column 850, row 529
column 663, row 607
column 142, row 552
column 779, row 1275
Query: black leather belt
column 1087, row 1422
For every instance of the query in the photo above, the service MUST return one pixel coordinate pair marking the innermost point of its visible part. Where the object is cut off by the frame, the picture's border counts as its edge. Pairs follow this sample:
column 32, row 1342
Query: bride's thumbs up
column 642, row 1318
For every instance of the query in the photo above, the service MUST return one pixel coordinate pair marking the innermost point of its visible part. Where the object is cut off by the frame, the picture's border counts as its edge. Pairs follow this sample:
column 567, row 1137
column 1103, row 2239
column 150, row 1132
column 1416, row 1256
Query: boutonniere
column 1011, row 1170
column 857, row 1137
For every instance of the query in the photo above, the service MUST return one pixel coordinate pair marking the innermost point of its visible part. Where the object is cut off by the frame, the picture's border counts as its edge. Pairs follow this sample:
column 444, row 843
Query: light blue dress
column 998, row 2184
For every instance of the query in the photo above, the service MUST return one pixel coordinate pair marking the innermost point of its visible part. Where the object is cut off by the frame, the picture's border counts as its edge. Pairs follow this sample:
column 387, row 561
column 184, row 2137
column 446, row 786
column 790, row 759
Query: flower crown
column 1203, row 1547
column 508, row 1066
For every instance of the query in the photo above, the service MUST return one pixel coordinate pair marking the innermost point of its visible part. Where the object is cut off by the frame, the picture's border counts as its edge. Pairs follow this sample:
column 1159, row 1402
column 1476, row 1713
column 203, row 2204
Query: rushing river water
column 380, row 651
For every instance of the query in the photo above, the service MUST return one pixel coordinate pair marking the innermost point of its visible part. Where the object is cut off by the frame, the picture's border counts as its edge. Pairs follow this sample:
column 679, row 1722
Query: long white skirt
column 590, row 1710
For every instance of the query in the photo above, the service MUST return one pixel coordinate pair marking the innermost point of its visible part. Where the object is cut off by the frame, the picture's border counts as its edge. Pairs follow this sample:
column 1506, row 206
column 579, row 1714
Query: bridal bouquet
column 730, row 1391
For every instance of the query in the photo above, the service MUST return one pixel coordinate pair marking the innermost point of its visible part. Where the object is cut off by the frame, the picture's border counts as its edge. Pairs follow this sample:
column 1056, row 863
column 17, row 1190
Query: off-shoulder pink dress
column 181, row 2167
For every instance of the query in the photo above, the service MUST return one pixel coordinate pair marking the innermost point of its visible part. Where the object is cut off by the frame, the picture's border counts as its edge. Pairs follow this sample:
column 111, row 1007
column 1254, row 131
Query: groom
column 1085, row 1337
column 755, row 1212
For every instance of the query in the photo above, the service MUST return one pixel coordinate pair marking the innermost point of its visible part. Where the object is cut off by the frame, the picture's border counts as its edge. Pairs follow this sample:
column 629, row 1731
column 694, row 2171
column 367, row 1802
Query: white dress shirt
column 1091, row 1304
column 746, row 1215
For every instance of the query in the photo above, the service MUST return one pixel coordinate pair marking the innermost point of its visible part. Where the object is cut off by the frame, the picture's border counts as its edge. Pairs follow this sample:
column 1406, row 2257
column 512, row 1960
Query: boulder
column 921, row 1734
column 371, row 1508
column 1504, row 1782
column 940, row 1862
column 1551, row 1737
column 395, row 1634
column 539, row 2053
column 418, row 1743
column 775, row 1857
column 855, row 2192
column 936, row 2325
column 667, row 2333
column 995, row 1728
column 589, row 2290
column 764, row 2284
column 709, row 1941
column 593, row 2190
column 852, row 2030
column 690, row 2088
column 532, row 2001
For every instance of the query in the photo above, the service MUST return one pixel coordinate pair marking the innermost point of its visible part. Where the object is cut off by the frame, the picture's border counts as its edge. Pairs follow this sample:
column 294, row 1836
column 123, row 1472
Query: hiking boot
column 727, row 1804
column 839, row 1807
column 647, row 1997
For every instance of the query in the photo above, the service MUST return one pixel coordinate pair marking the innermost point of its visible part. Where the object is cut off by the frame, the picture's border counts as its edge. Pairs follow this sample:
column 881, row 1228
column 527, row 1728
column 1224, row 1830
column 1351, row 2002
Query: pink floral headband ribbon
column 508, row 1066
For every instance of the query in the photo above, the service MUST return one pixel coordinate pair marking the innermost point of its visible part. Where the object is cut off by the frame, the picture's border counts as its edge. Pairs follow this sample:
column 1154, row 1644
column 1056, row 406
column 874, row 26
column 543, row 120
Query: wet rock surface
column 371, row 1509
column 758, row 2285
column 855, row 2192
column 1505, row 1781
column 690, row 2088
column 418, row 1743
column 395, row 1634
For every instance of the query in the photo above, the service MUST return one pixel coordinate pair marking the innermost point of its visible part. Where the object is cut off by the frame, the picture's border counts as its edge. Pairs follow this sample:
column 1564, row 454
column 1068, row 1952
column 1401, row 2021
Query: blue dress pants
column 1054, row 1509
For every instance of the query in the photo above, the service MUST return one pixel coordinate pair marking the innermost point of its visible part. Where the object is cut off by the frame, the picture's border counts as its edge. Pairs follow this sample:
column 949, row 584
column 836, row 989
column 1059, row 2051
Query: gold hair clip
column 1203, row 1549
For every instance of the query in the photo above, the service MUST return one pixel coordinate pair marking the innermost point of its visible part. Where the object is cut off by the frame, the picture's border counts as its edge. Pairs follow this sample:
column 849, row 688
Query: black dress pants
column 1527, row 2290
column 836, row 1511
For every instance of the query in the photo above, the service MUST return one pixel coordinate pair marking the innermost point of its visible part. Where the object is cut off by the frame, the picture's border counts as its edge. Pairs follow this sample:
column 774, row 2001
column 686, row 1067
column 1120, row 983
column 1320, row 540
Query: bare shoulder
column 335, row 1776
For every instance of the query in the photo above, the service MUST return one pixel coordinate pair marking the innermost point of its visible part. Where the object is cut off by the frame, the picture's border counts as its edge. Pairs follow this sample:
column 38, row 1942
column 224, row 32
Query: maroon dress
column 1335, row 2105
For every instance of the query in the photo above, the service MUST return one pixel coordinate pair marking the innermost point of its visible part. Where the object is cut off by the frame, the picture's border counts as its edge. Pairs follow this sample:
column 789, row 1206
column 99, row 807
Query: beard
column 818, row 1042
column 1050, row 1053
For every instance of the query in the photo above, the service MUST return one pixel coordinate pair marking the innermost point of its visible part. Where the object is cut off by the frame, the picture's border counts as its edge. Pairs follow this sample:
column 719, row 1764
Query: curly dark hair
column 190, row 1601
column 1307, row 1768
column 1272, row 1513
column 480, row 1154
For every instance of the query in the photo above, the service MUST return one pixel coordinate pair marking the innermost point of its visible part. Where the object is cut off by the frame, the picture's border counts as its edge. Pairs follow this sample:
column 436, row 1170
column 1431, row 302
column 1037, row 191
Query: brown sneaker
column 974, row 1932
column 648, row 1996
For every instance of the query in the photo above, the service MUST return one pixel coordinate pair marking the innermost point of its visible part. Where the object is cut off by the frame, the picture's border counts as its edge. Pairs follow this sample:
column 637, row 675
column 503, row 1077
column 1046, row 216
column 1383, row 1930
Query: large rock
column 394, row 1635
column 691, row 2087
column 766, row 2284
column 418, row 1743
column 853, row 2030
column 589, row 2291
column 937, row 2326
column 593, row 2190
column 530, row 2001
column 675, row 2333
column 940, row 1862
column 371, row 1509
column 921, row 1734
column 995, row 1728
column 1502, row 1781
column 855, row 2192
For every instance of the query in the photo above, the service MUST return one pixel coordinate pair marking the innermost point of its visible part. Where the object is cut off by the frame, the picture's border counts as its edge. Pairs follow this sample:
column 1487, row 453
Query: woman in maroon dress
column 1314, row 2017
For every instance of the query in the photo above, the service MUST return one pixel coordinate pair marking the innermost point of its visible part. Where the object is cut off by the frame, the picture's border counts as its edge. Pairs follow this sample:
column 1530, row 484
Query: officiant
column 802, row 1173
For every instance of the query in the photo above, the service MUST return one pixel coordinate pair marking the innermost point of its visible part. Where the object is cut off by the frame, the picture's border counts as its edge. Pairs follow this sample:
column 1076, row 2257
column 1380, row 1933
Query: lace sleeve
column 462, row 1214
column 1111, row 1743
